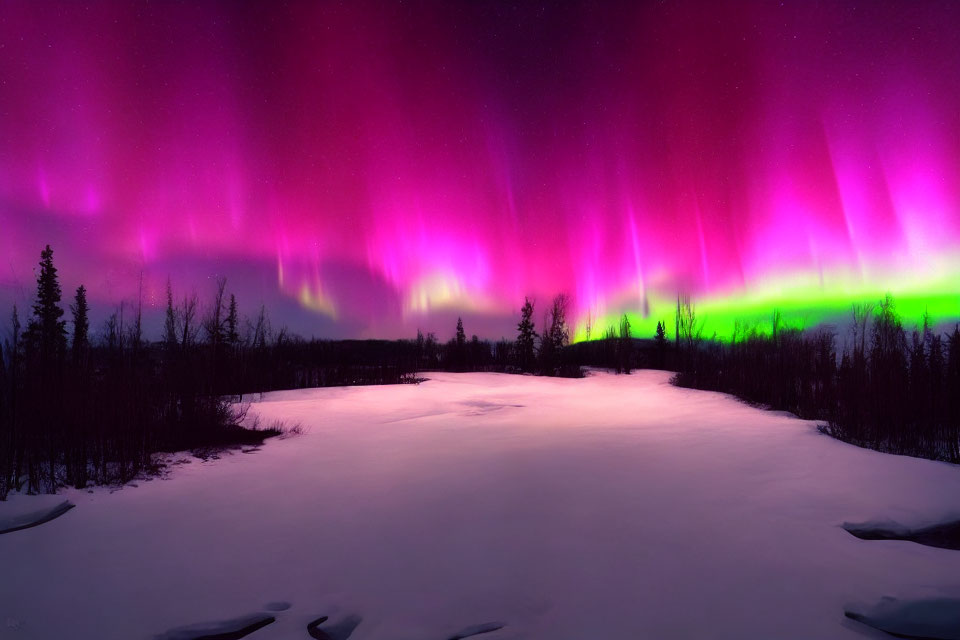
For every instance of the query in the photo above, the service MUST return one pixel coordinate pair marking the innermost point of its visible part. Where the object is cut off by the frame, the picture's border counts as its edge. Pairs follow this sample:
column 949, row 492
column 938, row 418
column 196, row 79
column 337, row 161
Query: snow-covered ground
column 602, row 508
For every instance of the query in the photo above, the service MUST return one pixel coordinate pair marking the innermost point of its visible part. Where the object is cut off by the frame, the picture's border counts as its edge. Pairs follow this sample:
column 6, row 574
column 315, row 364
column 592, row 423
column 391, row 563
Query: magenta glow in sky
column 372, row 167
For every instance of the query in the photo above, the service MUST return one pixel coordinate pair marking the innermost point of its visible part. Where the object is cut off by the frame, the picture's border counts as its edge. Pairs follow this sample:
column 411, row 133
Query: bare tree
column 860, row 313
column 170, row 321
column 186, row 321
column 259, row 330
column 213, row 325
column 136, row 329
column 689, row 326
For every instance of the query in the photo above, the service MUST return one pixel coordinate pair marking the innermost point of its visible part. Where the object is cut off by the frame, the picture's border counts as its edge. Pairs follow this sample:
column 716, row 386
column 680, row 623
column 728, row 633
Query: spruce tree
column 47, row 331
column 624, row 346
column 661, row 336
column 460, row 347
column 81, row 325
column 660, row 340
column 526, row 336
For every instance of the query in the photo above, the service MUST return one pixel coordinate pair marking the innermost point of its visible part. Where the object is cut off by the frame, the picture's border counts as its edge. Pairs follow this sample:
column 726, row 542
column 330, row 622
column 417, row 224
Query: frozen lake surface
column 612, row 507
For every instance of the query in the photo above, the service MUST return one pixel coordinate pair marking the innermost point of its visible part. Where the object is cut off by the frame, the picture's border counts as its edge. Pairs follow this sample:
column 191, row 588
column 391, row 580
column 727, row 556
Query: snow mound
column 941, row 536
column 476, row 630
column 339, row 631
column 931, row 619
column 233, row 629
column 11, row 520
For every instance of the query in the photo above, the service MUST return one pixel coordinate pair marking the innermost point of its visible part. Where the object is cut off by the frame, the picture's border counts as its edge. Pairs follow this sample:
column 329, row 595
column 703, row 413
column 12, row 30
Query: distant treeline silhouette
column 547, row 353
column 79, row 408
column 886, row 390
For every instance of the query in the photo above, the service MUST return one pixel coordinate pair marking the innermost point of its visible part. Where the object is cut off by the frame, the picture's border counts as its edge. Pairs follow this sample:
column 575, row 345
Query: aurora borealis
column 368, row 168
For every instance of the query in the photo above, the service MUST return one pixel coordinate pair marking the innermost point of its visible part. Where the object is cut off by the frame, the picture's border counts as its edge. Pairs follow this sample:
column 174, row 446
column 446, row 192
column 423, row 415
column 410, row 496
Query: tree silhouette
column 233, row 338
column 47, row 332
column 624, row 346
column 459, row 347
column 12, row 445
column 170, row 322
column 46, row 341
column 526, row 337
column 136, row 328
column 81, row 326
column 555, row 337
column 213, row 325
column 660, row 341
column 419, row 350
column 559, row 333
column 689, row 326
column 186, row 315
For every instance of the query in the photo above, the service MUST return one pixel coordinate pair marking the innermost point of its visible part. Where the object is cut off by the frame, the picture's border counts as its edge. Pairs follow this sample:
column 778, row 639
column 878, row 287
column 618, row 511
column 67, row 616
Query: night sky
column 365, row 169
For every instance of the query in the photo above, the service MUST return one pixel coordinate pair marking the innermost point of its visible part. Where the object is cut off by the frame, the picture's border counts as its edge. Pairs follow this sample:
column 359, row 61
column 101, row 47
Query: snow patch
column 233, row 629
column 25, row 514
column 931, row 619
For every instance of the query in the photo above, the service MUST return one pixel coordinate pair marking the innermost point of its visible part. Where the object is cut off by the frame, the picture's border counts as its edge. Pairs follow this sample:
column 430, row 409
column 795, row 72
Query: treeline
column 622, row 352
column 81, row 407
column 545, row 353
column 888, row 389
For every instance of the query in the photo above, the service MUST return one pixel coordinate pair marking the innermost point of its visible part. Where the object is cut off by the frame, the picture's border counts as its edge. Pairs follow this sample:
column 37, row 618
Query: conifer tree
column 526, row 336
column 47, row 331
column 624, row 346
column 460, row 347
column 660, row 337
column 660, row 340
column 81, row 325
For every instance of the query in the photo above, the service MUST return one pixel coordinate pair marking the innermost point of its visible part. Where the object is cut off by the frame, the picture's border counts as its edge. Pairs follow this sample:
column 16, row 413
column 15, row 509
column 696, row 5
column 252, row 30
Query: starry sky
column 368, row 168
